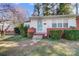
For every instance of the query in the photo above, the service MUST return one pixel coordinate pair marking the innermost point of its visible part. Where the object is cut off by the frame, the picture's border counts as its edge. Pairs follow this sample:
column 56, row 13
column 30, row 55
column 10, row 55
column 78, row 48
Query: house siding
column 33, row 24
column 72, row 22
column 47, row 25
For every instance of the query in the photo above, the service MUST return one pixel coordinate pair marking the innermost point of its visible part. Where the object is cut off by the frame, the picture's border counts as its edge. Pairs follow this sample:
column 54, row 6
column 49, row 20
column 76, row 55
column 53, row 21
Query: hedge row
column 55, row 34
column 67, row 34
column 71, row 34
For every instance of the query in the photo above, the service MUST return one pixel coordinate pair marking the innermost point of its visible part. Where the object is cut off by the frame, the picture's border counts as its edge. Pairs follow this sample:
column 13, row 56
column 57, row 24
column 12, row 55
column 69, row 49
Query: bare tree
column 9, row 12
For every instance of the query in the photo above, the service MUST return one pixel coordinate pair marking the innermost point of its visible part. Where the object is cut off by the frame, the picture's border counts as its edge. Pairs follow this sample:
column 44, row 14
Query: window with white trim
column 54, row 25
column 65, row 25
column 60, row 24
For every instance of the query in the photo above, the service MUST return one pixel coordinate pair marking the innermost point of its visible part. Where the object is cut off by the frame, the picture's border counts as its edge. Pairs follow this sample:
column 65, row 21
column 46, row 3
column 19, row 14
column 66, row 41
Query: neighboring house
column 8, row 27
column 44, row 23
column 27, row 23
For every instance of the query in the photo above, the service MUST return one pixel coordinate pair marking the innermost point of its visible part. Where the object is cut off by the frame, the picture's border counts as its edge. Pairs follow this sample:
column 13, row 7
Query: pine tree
column 47, row 9
column 64, row 8
column 44, row 9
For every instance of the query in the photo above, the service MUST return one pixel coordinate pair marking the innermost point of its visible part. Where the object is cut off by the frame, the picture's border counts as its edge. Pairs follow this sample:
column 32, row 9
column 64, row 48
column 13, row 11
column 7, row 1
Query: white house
column 42, row 23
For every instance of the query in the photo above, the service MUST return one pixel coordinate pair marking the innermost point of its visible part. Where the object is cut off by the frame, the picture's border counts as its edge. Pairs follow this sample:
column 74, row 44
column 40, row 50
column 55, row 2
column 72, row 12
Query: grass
column 21, row 46
column 15, row 38
column 5, row 37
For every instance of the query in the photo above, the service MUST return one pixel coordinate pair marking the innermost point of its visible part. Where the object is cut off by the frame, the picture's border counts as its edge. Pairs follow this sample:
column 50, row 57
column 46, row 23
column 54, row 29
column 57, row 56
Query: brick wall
column 77, row 22
column 77, row 28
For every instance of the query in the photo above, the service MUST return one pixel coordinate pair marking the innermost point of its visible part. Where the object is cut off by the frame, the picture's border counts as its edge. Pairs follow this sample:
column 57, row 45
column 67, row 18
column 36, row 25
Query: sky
column 29, row 7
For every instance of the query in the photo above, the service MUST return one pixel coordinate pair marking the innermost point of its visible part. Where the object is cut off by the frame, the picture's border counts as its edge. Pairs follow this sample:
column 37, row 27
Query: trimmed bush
column 55, row 34
column 71, row 34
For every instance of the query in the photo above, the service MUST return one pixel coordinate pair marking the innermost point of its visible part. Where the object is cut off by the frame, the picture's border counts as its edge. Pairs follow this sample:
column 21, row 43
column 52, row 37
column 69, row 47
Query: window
column 54, row 25
column 65, row 25
column 59, row 25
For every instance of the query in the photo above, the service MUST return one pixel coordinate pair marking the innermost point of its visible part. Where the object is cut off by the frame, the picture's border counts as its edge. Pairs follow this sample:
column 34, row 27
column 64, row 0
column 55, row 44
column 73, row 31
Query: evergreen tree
column 47, row 9
column 64, row 8
column 44, row 9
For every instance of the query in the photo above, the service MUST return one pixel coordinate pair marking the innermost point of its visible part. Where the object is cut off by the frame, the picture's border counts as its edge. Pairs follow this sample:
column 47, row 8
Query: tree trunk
column 2, row 31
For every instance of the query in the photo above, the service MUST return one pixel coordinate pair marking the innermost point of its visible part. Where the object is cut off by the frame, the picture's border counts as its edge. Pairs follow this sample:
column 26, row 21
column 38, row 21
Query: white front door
column 39, row 26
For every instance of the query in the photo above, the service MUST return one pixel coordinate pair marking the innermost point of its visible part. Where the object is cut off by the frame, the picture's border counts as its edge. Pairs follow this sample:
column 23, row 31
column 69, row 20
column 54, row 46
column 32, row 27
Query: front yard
column 44, row 47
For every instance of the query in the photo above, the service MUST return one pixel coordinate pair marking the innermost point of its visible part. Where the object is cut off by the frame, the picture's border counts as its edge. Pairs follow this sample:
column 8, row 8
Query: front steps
column 37, row 38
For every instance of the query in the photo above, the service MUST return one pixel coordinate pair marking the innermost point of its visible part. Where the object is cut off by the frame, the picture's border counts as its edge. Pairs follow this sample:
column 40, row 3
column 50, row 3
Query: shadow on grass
column 45, row 47
column 4, row 50
column 76, row 52
column 16, row 38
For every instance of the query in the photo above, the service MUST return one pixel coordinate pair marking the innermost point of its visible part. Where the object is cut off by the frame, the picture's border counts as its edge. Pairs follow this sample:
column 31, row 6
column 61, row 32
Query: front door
column 39, row 26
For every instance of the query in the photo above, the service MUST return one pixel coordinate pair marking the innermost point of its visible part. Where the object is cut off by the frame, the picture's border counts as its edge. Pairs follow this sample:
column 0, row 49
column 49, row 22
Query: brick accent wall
column 77, row 28
column 77, row 22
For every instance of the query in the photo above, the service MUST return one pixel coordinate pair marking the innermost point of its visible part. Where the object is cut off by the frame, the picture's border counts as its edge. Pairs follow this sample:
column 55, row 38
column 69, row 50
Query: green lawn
column 21, row 46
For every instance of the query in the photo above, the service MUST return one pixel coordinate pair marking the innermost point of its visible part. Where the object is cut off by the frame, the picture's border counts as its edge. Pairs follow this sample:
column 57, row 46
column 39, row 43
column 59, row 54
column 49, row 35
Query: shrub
column 16, row 30
column 55, row 34
column 23, row 30
column 71, row 34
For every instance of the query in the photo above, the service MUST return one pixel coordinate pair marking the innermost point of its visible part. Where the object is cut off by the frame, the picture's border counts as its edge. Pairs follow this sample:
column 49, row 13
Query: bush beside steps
column 55, row 34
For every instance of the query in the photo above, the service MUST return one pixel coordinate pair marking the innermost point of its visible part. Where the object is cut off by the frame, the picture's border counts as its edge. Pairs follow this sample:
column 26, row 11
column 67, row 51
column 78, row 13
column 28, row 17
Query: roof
column 54, row 16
